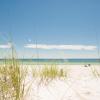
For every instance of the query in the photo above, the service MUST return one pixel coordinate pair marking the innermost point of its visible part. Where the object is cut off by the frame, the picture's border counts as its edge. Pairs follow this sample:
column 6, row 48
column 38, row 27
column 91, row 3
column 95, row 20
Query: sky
column 60, row 28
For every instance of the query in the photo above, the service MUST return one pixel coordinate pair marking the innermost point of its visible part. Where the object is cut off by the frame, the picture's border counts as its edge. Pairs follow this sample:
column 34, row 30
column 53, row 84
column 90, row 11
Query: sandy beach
column 81, row 83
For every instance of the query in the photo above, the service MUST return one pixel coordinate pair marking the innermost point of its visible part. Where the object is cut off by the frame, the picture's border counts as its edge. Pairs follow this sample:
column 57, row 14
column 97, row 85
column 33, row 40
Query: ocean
column 55, row 61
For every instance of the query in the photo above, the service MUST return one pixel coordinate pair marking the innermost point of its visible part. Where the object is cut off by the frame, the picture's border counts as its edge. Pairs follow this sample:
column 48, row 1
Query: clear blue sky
column 59, row 22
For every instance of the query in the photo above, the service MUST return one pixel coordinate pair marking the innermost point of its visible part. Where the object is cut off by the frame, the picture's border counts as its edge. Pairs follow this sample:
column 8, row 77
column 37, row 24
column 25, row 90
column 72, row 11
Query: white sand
column 80, row 84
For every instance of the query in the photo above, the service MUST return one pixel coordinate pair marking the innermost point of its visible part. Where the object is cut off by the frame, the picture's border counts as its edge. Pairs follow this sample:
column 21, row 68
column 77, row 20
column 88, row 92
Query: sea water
column 55, row 61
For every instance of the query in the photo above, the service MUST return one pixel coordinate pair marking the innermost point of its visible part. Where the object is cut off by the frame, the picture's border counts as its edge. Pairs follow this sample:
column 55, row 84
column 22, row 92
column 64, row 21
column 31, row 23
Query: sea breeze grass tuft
column 11, row 81
column 95, row 71
column 12, row 78
column 49, row 72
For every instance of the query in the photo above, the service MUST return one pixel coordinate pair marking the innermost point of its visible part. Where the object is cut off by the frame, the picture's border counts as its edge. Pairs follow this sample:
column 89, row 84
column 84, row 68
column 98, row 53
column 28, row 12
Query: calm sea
column 56, row 61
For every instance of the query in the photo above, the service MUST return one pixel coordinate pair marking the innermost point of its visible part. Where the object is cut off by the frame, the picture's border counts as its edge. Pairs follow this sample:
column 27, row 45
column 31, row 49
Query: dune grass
column 49, row 72
column 95, row 72
column 12, row 78
column 52, row 72
column 11, row 81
